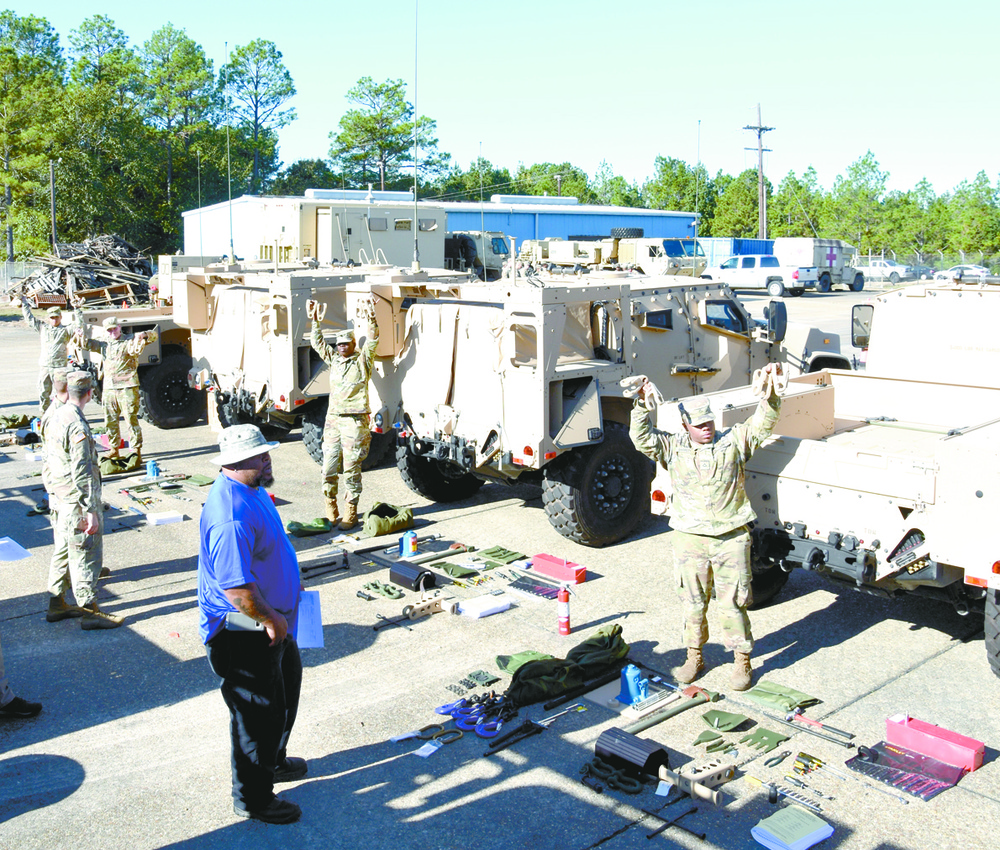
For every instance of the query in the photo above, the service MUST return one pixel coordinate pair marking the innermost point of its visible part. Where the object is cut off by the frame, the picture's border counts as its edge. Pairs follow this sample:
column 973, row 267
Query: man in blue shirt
column 248, row 593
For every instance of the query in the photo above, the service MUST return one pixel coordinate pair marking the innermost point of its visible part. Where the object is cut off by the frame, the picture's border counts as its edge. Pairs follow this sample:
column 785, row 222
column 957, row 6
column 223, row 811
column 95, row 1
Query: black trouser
column 260, row 684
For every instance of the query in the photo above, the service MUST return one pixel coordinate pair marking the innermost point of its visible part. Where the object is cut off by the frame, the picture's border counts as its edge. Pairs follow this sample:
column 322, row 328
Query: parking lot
column 132, row 749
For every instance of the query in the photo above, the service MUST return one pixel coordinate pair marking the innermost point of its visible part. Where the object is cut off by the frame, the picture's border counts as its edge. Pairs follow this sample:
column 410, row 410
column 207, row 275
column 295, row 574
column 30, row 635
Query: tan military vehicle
column 888, row 480
column 251, row 351
column 519, row 380
column 650, row 256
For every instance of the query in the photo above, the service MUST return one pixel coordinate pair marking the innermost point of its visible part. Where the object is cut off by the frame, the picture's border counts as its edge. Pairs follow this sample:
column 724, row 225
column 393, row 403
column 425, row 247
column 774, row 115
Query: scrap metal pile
column 99, row 271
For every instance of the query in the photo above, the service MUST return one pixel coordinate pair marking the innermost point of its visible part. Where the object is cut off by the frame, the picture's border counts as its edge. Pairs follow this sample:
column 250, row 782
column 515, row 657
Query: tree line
column 135, row 135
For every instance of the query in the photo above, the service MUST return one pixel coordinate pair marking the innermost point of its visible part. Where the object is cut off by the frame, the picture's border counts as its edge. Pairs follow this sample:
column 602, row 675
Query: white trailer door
column 324, row 235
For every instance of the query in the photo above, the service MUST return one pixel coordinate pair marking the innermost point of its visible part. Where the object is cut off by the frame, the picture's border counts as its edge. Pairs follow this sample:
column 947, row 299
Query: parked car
column 924, row 272
column 882, row 269
column 968, row 271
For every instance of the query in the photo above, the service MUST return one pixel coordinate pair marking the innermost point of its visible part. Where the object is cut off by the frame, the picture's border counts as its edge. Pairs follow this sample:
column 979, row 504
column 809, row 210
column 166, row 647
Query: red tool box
column 931, row 740
column 559, row 568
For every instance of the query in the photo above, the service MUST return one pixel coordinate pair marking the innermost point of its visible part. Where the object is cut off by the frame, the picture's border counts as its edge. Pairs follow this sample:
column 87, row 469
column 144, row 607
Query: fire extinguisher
column 562, row 607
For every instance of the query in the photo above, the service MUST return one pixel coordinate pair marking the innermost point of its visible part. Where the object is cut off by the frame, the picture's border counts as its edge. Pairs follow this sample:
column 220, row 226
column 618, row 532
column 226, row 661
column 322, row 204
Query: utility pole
column 760, row 130
column 52, row 201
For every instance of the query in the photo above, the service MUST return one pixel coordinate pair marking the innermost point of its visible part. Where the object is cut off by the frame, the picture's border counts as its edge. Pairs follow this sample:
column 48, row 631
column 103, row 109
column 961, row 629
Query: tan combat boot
column 692, row 667
column 742, row 672
column 350, row 516
column 332, row 513
column 60, row 609
column 95, row 618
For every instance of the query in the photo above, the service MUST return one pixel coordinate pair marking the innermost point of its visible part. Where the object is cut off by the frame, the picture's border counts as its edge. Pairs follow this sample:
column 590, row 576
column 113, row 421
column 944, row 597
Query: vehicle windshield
column 682, row 248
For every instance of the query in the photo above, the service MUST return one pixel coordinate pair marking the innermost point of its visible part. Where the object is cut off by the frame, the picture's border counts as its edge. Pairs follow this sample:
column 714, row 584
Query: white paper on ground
column 309, row 626
column 11, row 550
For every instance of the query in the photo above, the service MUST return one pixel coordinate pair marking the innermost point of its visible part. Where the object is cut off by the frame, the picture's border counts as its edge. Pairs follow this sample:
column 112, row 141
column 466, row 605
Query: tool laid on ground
column 585, row 688
column 798, row 783
column 673, row 822
column 774, row 790
column 805, row 763
column 774, row 761
column 695, row 696
column 798, row 715
column 431, row 605
column 364, row 550
column 527, row 729
column 615, row 778
column 397, row 621
column 365, row 596
column 801, row 728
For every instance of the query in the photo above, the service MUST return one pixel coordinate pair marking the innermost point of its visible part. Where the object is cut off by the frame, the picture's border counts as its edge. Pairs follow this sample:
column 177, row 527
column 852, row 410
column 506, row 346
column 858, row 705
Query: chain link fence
column 10, row 272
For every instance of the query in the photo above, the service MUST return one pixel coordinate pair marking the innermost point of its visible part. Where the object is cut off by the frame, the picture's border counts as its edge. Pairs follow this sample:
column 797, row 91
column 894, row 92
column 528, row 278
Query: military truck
column 832, row 259
column 482, row 252
column 519, row 381
column 651, row 256
column 888, row 480
column 251, row 351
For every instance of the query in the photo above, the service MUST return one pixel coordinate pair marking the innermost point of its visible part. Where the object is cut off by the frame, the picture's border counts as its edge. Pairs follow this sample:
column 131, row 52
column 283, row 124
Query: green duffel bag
column 386, row 519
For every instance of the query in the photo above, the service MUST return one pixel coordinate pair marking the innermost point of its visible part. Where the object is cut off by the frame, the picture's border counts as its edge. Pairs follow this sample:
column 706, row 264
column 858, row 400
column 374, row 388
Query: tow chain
column 615, row 779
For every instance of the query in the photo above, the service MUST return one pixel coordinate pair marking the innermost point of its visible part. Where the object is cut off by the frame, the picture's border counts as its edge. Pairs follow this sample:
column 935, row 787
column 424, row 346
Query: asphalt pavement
column 131, row 749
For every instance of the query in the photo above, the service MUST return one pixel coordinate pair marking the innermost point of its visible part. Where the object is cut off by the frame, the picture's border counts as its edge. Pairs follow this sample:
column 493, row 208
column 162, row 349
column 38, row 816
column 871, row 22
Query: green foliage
column 302, row 175
column 547, row 178
column 852, row 209
column 614, row 190
column 737, row 211
column 795, row 208
column 256, row 85
column 375, row 141
column 482, row 180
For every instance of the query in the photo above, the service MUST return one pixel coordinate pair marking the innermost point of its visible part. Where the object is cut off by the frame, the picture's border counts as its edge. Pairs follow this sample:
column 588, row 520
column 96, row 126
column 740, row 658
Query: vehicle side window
column 749, row 262
column 499, row 245
column 730, row 263
column 769, row 262
column 725, row 315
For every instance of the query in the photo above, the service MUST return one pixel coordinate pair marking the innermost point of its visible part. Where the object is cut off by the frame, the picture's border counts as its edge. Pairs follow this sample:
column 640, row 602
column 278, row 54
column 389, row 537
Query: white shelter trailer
column 325, row 225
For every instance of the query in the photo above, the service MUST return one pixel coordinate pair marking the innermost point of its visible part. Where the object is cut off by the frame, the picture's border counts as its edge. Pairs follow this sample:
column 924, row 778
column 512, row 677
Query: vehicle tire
column 824, row 283
column 230, row 414
column 627, row 232
column 766, row 582
column 894, row 278
column 435, row 479
column 799, row 291
column 165, row 398
column 598, row 494
column 859, row 283
column 776, row 289
column 992, row 624
column 313, row 421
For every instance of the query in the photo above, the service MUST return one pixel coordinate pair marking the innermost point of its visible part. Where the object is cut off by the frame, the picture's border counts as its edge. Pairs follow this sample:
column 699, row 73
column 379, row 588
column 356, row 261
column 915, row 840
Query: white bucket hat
column 239, row 442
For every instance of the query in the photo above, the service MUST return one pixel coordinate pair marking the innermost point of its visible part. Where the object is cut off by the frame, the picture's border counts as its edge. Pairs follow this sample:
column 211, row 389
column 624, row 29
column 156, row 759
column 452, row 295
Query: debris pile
column 97, row 272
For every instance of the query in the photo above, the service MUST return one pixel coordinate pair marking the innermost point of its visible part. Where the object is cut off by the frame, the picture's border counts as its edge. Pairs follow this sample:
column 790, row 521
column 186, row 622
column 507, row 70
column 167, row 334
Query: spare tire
column 165, row 398
column 627, row 232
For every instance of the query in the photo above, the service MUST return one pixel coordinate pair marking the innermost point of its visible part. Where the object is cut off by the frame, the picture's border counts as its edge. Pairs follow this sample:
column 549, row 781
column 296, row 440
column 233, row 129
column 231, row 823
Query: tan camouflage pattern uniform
column 53, row 353
column 347, row 431
column 120, row 390
column 709, row 516
column 75, row 485
column 61, row 552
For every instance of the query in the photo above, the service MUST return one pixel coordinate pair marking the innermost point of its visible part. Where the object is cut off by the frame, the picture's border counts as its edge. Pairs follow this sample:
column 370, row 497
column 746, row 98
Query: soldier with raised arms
column 347, row 430
column 55, row 336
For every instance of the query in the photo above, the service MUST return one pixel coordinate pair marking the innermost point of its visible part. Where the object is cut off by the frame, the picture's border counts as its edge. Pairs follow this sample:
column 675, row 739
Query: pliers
column 774, row 761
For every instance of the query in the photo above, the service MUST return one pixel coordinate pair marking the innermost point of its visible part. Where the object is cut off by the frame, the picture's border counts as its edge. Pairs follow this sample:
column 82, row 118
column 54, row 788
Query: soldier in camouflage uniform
column 74, row 479
column 347, row 431
column 55, row 335
column 709, row 516
column 120, row 394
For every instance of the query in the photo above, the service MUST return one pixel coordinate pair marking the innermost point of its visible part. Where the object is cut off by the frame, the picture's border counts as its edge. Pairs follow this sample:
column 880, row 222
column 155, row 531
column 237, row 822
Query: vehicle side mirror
column 861, row 324
column 776, row 314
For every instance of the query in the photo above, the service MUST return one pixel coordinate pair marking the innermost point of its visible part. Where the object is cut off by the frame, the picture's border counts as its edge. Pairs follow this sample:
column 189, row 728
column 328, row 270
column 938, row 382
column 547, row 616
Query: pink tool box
column 559, row 568
column 931, row 740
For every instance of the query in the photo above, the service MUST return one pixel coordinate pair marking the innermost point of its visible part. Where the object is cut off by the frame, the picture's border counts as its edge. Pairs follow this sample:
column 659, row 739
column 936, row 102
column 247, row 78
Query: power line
column 760, row 130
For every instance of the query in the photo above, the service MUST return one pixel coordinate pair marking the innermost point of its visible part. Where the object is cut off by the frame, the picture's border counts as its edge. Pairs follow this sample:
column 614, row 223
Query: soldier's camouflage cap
column 54, row 311
column 697, row 412
column 79, row 381
column 343, row 336
column 111, row 322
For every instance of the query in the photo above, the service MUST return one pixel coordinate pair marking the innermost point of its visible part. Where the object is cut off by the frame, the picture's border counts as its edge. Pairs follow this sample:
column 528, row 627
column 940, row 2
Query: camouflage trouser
column 77, row 557
column 700, row 562
column 124, row 401
column 346, row 440
column 45, row 388
column 6, row 694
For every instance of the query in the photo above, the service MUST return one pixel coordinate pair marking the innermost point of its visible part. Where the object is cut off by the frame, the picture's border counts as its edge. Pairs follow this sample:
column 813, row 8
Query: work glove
column 763, row 739
column 706, row 736
column 321, row 525
column 779, row 697
column 631, row 387
column 723, row 719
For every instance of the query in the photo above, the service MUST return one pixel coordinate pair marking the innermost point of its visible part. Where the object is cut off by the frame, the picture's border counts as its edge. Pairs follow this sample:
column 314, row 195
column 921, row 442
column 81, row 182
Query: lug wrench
column 669, row 823
column 398, row 621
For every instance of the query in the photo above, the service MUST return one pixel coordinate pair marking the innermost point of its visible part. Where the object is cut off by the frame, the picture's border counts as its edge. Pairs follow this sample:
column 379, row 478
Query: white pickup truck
column 881, row 269
column 763, row 271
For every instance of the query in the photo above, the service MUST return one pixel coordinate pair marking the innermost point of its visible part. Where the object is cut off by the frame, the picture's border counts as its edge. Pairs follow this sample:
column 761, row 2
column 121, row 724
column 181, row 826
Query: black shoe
column 276, row 811
column 292, row 769
column 18, row 707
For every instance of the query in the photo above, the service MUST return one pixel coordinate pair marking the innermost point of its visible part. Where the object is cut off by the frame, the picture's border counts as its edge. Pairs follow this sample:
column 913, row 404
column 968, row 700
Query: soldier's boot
column 350, row 516
column 692, row 667
column 60, row 609
column 332, row 513
column 742, row 672
column 104, row 573
column 95, row 618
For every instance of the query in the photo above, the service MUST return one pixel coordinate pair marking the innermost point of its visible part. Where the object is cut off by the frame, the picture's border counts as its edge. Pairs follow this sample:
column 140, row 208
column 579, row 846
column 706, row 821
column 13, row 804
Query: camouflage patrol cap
column 78, row 381
column 697, row 411
column 111, row 322
column 344, row 336
column 54, row 311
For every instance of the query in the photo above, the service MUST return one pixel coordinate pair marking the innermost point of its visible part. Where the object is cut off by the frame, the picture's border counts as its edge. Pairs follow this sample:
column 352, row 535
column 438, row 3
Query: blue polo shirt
column 243, row 541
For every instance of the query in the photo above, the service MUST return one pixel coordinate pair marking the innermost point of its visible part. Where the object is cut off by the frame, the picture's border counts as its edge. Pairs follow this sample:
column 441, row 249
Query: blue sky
column 592, row 80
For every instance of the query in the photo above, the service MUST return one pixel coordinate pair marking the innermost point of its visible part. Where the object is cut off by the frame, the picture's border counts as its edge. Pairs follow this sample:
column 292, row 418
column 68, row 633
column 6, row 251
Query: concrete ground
column 131, row 749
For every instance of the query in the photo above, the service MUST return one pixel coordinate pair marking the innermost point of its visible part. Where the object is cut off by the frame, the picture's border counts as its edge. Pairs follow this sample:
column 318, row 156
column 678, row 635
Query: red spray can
column 562, row 607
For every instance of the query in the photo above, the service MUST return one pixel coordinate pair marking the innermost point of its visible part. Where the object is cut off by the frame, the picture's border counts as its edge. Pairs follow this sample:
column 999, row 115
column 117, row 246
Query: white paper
column 11, row 550
column 663, row 789
column 428, row 749
column 309, row 626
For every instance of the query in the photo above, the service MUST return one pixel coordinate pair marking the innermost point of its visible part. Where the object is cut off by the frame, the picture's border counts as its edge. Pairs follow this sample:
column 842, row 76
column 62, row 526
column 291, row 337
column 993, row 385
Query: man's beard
column 263, row 479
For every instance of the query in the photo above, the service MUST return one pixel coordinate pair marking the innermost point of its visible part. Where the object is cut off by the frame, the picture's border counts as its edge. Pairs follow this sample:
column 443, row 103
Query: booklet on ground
column 791, row 828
